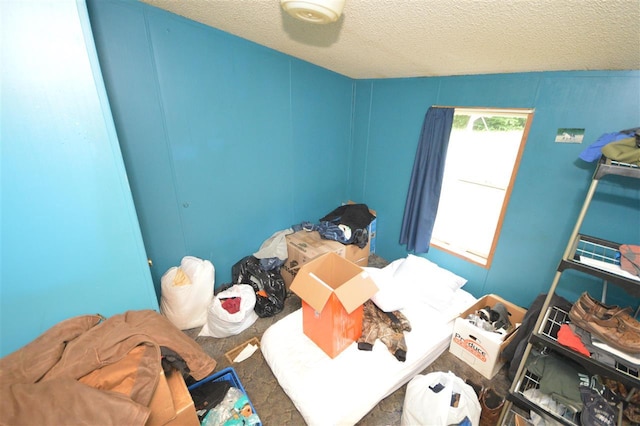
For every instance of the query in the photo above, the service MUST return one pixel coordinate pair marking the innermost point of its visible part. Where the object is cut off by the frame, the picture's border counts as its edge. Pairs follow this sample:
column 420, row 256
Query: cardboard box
column 479, row 348
column 372, row 234
column 303, row 247
column 162, row 408
column 371, row 229
column 332, row 290
column 171, row 404
column 357, row 255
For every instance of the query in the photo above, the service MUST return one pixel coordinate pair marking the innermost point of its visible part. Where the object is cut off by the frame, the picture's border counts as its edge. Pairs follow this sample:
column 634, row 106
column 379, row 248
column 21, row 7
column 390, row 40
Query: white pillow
column 414, row 280
column 390, row 296
column 434, row 273
column 423, row 281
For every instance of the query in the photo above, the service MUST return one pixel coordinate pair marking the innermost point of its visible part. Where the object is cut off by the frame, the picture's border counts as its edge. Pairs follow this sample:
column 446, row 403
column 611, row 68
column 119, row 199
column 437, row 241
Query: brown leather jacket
column 91, row 371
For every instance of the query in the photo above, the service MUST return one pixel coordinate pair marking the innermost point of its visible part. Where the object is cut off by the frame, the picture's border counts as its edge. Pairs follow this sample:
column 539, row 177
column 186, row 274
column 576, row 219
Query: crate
column 228, row 374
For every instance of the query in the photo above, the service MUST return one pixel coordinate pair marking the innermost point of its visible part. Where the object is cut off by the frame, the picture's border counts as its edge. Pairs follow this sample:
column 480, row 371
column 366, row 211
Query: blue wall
column 226, row 142
column 71, row 243
column 551, row 183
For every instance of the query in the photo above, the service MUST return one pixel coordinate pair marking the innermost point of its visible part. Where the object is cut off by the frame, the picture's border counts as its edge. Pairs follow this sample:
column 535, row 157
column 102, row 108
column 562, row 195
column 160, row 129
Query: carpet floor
column 275, row 408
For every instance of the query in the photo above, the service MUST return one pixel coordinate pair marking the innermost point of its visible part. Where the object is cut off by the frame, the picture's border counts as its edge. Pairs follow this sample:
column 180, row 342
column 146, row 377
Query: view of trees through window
column 481, row 165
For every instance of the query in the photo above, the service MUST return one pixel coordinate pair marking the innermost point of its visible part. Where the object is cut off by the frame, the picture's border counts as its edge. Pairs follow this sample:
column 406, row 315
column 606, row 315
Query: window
column 482, row 161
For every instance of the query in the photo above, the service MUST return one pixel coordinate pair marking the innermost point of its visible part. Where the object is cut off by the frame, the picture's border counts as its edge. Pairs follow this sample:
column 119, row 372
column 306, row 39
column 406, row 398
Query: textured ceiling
column 414, row 38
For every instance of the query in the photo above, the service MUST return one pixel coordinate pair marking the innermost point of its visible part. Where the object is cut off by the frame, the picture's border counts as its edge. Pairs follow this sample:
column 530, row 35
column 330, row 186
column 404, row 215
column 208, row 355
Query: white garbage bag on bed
column 220, row 322
column 186, row 292
column 429, row 399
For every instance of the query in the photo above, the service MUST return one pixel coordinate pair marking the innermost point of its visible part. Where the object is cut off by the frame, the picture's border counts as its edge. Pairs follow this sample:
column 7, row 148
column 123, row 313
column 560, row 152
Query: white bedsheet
column 342, row 390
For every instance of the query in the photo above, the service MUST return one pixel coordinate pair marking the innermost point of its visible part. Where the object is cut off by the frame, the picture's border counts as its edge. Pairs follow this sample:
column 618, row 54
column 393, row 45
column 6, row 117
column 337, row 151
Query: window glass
column 481, row 165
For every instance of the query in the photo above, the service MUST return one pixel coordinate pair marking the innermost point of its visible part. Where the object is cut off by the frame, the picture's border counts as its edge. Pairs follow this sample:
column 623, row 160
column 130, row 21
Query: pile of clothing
column 221, row 403
column 91, row 369
column 347, row 224
column 389, row 327
column 623, row 146
column 566, row 389
column 493, row 319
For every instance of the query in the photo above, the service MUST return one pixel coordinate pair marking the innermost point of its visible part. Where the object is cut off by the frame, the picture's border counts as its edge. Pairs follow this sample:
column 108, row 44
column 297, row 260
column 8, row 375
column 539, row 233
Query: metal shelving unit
column 592, row 256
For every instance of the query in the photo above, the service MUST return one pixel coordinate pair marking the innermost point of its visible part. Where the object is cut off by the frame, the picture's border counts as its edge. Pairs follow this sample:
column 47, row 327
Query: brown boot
column 605, row 314
column 491, row 404
column 613, row 331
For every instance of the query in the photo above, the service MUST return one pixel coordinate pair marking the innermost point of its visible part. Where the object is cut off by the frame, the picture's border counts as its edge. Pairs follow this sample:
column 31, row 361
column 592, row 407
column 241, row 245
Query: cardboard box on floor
column 304, row 246
column 332, row 290
column 171, row 404
column 479, row 348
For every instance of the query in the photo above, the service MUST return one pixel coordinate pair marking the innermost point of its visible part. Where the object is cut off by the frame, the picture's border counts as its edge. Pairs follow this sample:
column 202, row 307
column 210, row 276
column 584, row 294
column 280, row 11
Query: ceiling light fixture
column 314, row 11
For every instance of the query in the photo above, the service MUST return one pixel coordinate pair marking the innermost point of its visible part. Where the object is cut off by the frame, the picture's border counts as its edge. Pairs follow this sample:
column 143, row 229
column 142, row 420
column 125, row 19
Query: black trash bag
column 269, row 286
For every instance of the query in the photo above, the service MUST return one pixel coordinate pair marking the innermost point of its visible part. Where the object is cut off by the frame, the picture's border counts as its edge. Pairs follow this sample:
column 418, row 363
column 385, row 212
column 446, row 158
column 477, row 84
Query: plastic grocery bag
column 187, row 291
column 221, row 322
column 439, row 399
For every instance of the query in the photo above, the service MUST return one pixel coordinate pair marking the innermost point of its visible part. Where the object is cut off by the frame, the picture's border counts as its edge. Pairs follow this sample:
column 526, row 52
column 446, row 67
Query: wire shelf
column 621, row 164
column 529, row 383
column 595, row 251
column 556, row 317
column 516, row 418
column 608, row 166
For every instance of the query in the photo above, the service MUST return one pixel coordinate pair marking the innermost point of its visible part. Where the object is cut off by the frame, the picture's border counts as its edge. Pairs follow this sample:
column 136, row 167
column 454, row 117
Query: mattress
column 342, row 390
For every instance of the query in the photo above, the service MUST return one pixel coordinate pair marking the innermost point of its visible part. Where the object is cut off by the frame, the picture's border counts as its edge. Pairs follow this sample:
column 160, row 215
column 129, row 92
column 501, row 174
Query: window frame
column 470, row 257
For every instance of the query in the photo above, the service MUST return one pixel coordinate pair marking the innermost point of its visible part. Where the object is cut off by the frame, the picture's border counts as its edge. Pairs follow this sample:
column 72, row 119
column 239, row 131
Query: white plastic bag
column 221, row 323
column 424, row 406
column 186, row 292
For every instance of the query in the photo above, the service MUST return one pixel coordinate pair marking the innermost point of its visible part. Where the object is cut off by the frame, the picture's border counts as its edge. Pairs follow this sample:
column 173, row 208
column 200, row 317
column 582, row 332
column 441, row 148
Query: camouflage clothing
column 389, row 327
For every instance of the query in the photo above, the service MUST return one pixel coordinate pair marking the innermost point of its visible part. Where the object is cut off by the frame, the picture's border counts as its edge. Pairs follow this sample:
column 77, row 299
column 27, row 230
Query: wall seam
column 166, row 141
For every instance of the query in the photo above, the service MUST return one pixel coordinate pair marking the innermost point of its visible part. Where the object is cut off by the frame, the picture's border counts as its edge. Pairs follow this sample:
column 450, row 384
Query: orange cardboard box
column 332, row 290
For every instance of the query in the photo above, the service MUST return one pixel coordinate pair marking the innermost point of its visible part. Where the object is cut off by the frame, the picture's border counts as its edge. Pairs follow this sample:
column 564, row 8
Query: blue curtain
column 426, row 180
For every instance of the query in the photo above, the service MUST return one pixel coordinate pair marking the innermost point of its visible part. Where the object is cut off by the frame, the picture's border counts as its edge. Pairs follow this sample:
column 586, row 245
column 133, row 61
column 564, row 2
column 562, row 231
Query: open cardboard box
column 332, row 290
column 479, row 348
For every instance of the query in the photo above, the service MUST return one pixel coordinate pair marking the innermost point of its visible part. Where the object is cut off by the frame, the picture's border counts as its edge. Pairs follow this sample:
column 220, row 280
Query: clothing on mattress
column 389, row 327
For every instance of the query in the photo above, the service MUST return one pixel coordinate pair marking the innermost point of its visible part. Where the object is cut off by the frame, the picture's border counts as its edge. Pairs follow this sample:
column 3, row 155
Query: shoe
column 632, row 413
column 491, row 404
column 614, row 331
column 605, row 314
